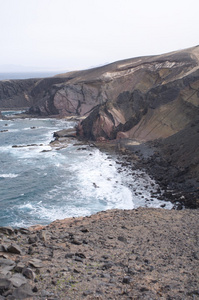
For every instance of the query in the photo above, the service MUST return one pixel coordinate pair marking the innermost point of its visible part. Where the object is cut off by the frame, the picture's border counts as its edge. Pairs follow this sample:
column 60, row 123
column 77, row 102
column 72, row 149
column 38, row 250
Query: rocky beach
column 146, row 109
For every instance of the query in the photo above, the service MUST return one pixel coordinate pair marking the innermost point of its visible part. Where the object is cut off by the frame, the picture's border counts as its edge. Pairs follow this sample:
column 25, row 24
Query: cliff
column 135, row 98
column 152, row 99
column 14, row 94
column 142, row 98
column 147, row 98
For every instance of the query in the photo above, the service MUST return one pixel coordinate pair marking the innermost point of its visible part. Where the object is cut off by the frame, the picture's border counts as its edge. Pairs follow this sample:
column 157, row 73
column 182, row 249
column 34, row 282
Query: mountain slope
column 150, row 98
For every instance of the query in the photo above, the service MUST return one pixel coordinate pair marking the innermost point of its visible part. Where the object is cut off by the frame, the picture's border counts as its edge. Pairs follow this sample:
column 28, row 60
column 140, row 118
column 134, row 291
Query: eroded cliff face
column 16, row 93
column 154, row 99
column 149, row 98
column 143, row 98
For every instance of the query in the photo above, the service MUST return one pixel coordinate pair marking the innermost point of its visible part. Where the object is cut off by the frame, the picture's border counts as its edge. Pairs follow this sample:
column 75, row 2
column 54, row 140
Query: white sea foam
column 99, row 180
column 12, row 130
column 71, row 182
column 26, row 206
column 10, row 175
column 5, row 148
column 46, row 214
column 24, row 151
column 55, row 213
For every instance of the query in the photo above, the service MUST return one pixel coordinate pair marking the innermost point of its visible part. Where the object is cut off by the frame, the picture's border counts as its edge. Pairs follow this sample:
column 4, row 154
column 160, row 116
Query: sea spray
column 39, row 183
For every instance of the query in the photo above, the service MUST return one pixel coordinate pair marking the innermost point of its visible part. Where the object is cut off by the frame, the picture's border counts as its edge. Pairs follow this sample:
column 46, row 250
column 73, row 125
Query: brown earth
column 119, row 254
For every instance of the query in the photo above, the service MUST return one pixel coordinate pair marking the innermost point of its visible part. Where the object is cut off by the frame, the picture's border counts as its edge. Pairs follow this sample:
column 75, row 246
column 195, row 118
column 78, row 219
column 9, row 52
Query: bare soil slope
column 137, row 254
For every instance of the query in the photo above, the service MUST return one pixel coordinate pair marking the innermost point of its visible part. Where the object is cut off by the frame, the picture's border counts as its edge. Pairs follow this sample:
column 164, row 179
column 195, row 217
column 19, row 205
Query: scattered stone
column 13, row 248
column 7, row 230
column 79, row 254
column 69, row 255
column 84, row 230
column 76, row 271
column 28, row 273
column 75, row 242
column 24, row 230
column 17, row 280
column 7, row 264
column 77, row 258
column 126, row 279
column 122, row 239
column 23, row 292
column 107, row 265
column 104, row 275
column 87, row 293
column 32, row 239
column 36, row 263
column 5, row 284
column 19, row 267
column 35, row 289
column 42, row 236
column 30, row 250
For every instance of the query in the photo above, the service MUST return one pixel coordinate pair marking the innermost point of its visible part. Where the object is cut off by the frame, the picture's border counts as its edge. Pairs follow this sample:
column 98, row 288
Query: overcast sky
column 78, row 34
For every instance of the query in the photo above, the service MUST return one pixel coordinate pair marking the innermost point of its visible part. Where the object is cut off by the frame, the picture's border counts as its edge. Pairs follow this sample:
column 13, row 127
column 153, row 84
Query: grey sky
column 77, row 34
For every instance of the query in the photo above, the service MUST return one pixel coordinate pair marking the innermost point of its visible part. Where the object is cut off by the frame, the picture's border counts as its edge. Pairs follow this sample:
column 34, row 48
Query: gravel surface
column 118, row 254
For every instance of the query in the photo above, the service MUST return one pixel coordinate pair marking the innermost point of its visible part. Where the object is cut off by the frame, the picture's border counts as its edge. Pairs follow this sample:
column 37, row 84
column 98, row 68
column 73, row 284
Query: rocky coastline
column 175, row 181
column 146, row 109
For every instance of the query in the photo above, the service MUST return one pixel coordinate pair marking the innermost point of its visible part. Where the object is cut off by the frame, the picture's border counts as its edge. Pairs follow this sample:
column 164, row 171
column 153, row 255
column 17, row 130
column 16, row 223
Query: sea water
column 27, row 75
column 40, row 183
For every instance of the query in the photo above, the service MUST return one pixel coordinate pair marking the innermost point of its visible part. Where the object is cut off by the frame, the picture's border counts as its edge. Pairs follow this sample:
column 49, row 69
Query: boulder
column 23, row 292
column 13, row 248
column 36, row 263
column 17, row 280
column 7, row 230
column 71, row 132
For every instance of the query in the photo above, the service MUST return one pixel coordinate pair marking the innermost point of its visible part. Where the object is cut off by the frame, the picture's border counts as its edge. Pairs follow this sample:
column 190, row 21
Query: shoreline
column 146, row 156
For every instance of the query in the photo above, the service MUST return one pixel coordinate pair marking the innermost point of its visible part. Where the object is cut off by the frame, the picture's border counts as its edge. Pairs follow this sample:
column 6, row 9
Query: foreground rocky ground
column 118, row 254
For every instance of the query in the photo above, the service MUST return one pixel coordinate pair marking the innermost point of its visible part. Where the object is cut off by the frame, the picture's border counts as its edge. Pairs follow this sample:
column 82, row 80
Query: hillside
column 136, row 254
column 152, row 101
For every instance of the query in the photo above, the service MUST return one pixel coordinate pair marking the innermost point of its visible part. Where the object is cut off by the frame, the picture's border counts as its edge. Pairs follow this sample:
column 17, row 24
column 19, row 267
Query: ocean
column 40, row 183
column 27, row 75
